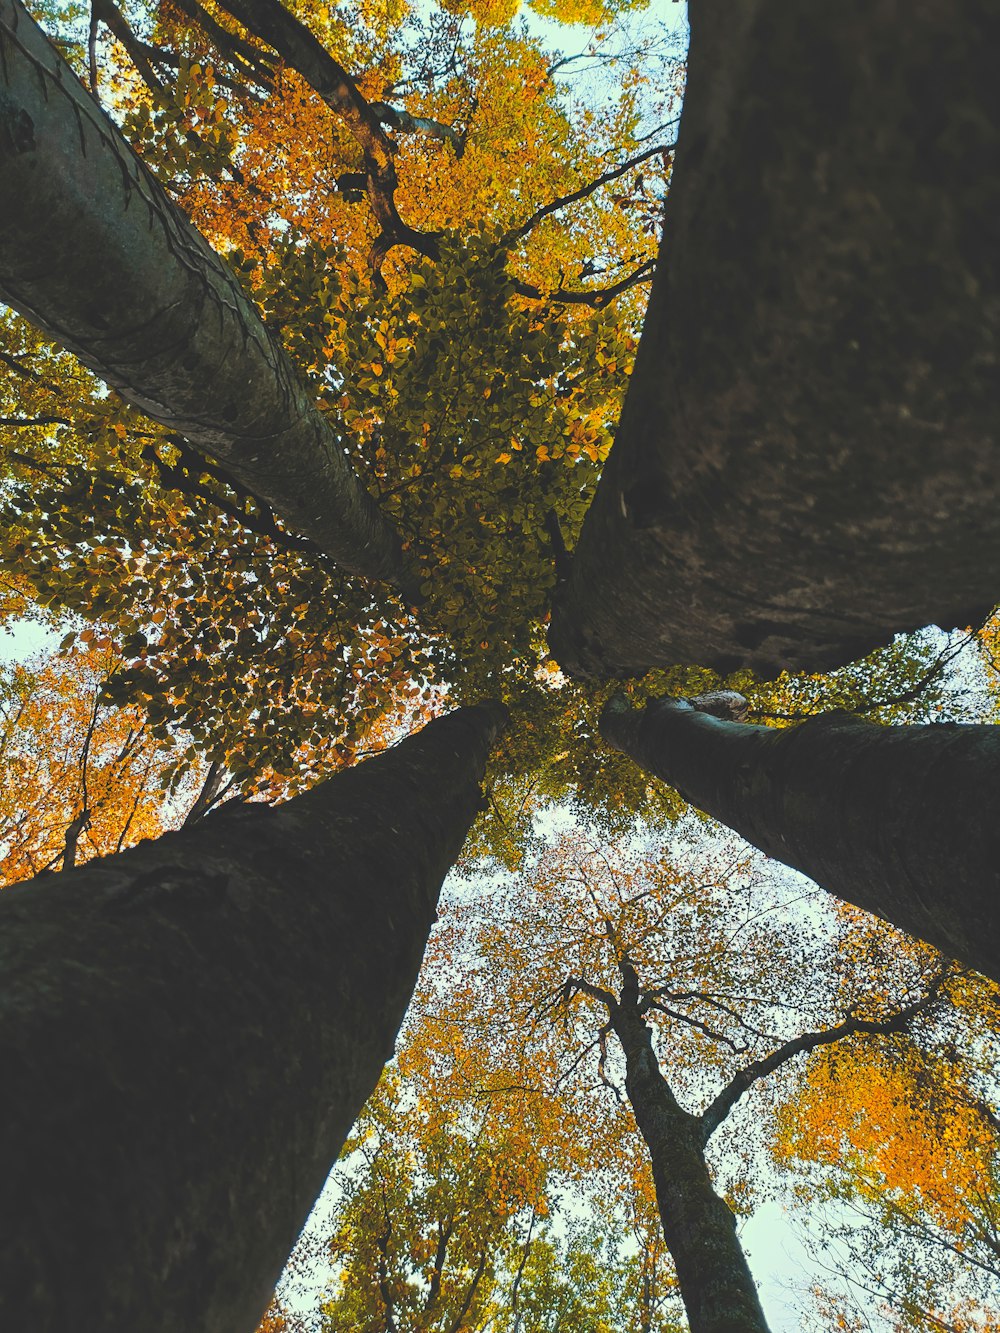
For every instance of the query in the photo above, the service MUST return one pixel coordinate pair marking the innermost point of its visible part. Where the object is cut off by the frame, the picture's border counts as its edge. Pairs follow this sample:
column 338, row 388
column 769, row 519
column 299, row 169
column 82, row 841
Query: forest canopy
column 424, row 235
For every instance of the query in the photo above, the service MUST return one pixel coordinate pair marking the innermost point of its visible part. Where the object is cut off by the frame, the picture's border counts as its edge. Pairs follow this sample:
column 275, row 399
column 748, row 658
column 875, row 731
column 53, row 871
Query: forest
column 501, row 672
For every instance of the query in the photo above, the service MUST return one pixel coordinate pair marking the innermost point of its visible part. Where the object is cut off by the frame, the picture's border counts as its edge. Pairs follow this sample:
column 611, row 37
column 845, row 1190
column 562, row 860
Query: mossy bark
column 901, row 821
column 716, row 1285
column 94, row 253
column 807, row 461
column 188, row 1030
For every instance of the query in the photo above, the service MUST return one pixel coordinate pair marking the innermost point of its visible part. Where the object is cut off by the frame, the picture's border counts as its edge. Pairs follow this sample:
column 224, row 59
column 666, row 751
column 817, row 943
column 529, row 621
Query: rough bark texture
column 188, row 1030
column 901, row 821
column 716, row 1285
column 94, row 253
column 807, row 461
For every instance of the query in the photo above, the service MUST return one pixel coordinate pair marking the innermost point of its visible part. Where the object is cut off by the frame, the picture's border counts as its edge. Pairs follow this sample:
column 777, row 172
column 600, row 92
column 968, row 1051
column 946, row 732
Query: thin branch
column 655, row 998
column 470, row 1295
column 909, row 695
column 597, row 297
column 243, row 55
column 26, row 372
column 689, row 1021
column 720, row 1107
column 602, row 1062
column 516, row 233
column 179, row 477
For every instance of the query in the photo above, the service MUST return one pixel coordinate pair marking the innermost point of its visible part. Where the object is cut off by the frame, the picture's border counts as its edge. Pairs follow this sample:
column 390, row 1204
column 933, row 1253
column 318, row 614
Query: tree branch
column 26, row 372
column 597, row 297
column 690, row 1021
column 22, row 423
column 108, row 13
column 573, row 985
column 75, row 830
column 516, row 233
column 300, row 50
column 243, row 55
column 181, row 477
column 402, row 121
column 720, row 1107
column 207, row 796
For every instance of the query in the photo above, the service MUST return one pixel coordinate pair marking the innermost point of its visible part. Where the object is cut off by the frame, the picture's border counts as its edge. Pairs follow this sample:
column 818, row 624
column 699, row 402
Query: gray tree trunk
column 188, row 1030
column 94, row 253
column 807, row 460
column 901, row 821
column 716, row 1285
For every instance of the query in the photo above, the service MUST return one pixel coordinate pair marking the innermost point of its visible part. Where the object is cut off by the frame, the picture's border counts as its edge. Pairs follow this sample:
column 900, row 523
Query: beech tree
column 907, row 1154
column 451, row 1211
column 805, row 463
column 649, row 981
column 365, row 286
column 896, row 820
column 154, row 312
column 474, row 391
column 193, row 1026
column 77, row 778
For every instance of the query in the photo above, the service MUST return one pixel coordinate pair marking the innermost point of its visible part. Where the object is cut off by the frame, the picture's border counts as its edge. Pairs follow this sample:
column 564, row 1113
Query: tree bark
column 901, row 821
column 807, row 461
column 94, row 253
column 188, row 1030
column 716, row 1285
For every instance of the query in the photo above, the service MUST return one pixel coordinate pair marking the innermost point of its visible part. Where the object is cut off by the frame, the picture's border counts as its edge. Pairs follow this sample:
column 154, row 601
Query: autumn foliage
column 458, row 273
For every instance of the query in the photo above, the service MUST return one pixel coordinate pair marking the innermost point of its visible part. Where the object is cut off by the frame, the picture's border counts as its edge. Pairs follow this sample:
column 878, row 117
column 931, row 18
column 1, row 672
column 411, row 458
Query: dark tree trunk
column 901, row 821
column 807, row 461
column 94, row 253
column 188, row 1030
column 716, row 1285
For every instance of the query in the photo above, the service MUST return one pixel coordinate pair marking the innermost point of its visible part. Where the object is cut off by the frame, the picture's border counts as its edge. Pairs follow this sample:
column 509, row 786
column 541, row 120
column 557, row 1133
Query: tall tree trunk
column 94, row 253
column 901, row 821
column 716, row 1284
column 188, row 1030
column 807, row 458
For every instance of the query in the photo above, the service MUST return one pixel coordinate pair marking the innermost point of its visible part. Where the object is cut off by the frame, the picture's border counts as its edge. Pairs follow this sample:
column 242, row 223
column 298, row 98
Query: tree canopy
column 320, row 324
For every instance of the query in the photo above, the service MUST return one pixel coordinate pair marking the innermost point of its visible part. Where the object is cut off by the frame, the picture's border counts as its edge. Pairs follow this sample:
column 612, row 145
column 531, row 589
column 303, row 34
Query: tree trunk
column 901, row 821
column 94, row 253
column 188, row 1030
column 716, row 1285
column 807, row 460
